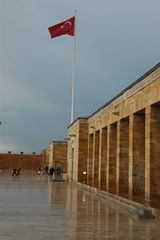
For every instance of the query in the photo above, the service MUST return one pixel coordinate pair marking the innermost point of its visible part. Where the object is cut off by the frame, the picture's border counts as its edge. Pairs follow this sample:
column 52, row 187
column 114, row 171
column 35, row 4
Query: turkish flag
column 66, row 27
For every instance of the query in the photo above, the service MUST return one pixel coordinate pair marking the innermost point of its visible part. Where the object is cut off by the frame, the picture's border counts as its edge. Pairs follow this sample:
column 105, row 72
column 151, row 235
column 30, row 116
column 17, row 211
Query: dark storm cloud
column 117, row 42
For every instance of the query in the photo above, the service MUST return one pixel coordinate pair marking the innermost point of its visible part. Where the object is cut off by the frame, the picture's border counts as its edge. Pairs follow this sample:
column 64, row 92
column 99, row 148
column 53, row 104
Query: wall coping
column 76, row 120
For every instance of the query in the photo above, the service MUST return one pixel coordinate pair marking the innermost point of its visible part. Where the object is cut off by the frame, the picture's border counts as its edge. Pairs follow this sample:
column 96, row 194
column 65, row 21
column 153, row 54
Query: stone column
column 108, row 154
column 139, row 157
column 124, row 157
column 112, row 158
column 118, row 157
column 155, row 156
column 93, row 163
column 96, row 159
column 130, row 155
column 147, row 152
column 104, row 159
column 82, row 152
column 100, row 156
column 90, row 160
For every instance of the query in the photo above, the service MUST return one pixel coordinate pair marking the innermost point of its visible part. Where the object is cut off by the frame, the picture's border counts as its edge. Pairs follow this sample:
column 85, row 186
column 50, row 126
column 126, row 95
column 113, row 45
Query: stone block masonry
column 117, row 148
column 57, row 155
column 23, row 161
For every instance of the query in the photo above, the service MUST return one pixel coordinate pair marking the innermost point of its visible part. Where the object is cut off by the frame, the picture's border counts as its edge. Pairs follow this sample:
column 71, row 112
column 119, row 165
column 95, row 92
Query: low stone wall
column 134, row 209
column 22, row 161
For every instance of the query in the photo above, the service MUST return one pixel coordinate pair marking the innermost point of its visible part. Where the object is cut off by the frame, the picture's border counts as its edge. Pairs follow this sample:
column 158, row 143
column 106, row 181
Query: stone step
column 123, row 205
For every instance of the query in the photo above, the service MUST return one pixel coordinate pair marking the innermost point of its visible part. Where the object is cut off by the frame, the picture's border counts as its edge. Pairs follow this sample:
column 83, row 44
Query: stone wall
column 23, row 161
column 78, row 151
column 57, row 155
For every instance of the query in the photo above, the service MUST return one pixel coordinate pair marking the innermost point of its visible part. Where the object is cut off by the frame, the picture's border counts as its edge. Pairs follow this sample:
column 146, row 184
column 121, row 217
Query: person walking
column 18, row 172
column 39, row 170
column 51, row 171
column 14, row 172
column 46, row 170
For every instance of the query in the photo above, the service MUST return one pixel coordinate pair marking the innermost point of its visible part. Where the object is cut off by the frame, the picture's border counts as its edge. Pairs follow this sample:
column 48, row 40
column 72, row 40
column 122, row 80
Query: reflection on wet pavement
column 35, row 207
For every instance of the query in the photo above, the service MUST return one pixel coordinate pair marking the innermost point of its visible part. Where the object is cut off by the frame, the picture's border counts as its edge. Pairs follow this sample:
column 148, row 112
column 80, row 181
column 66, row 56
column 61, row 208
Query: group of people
column 16, row 172
column 50, row 171
column 42, row 171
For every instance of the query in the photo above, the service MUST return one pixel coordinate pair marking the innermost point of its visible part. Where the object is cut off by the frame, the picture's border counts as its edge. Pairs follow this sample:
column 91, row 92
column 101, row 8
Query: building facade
column 118, row 146
column 78, row 150
column 57, row 155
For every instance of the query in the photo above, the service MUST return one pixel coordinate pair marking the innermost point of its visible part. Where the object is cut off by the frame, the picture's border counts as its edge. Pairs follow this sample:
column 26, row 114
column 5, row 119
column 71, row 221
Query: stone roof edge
column 63, row 141
column 56, row 142
column 126, row 89
column 79, row 118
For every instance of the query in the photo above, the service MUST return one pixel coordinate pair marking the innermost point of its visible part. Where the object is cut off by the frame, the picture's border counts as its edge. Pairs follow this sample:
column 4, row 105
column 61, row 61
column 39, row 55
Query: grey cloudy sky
column 117, row 42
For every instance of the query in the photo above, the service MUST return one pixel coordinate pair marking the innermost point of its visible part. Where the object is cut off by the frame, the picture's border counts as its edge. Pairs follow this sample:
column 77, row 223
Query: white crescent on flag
column 66, row 24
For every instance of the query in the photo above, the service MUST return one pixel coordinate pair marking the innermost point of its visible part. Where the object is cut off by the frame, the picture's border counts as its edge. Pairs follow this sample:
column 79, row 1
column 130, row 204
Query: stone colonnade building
column 117, row 148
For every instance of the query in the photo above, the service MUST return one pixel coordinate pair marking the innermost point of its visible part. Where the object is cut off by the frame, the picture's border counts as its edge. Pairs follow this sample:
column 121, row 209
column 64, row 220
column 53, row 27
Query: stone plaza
column 34, row 207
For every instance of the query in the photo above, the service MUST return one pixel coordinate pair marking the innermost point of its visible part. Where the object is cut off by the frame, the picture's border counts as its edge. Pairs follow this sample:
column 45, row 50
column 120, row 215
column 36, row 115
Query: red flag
column 66, row 27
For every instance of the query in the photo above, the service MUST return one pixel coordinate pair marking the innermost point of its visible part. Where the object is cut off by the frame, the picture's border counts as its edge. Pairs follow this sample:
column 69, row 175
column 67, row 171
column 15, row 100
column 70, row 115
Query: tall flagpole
column 74, row 70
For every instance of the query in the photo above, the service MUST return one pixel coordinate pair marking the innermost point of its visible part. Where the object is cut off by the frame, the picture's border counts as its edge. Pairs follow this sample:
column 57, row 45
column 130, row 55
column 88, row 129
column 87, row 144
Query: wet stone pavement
column 34, row 207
